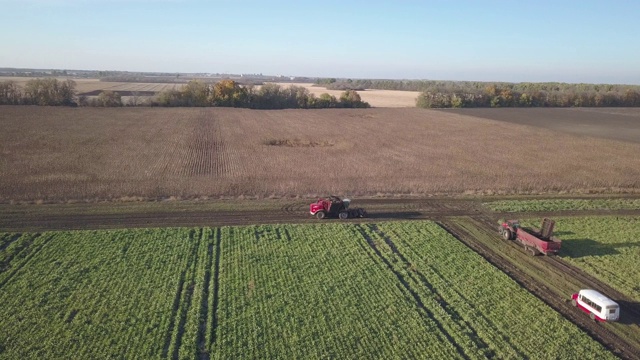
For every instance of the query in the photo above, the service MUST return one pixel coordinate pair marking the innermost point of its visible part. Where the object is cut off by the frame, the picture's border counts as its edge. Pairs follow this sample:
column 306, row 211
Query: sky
column 514, row 41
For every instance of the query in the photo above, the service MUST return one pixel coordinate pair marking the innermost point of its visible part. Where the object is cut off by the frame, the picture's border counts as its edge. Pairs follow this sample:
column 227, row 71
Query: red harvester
column 333, row 206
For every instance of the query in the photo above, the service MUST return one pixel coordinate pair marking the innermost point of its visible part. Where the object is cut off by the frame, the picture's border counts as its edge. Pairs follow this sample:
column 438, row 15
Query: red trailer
column 535, row 242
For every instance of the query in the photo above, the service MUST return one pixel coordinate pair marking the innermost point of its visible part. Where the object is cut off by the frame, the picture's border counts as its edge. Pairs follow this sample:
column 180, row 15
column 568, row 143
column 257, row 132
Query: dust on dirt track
column 549, row 278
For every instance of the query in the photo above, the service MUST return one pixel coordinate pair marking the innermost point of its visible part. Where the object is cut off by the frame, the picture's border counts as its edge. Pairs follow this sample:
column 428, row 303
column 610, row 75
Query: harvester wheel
column 574, row 302
column 320, row 214
column 343, row 215
column 506, row 234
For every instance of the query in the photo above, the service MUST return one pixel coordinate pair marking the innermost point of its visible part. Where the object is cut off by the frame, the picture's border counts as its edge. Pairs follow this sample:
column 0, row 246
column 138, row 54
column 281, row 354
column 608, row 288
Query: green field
column 388, row 290
column 605, row 247
column 563, row 204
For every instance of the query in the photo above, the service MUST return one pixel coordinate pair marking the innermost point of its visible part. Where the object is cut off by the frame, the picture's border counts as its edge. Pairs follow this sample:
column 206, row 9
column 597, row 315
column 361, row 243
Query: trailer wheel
column 531, row 251
column 343, row 215
column 320, row 214
column 506, row 234
column 574, row 302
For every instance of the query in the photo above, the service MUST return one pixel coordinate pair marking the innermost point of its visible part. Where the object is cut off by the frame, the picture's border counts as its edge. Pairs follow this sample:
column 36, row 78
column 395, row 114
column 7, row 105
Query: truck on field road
column 535, row 241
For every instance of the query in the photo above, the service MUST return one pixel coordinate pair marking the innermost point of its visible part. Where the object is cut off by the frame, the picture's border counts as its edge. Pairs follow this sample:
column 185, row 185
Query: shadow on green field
column 628, row 317
column 560, row 234
column 577, row 248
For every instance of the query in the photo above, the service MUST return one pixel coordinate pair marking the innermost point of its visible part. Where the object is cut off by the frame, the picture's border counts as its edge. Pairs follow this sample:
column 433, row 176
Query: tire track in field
column 204, row 305
column 539, row 284
column 4, row 264
column 561, row 267
column 215, row 293
column 11, row 273
column 176, row 330
column 629, row 307
column 422, row 279
column 422, row 309
column 204, row 152
column 187, row 302
column 222, row 161
column 13, row 238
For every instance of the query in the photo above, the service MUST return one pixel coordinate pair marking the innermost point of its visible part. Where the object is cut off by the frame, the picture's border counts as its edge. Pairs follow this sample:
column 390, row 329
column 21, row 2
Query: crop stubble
column 63, row 154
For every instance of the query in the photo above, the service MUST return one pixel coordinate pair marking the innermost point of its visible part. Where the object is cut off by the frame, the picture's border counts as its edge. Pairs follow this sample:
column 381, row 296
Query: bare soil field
column 92, row 154
column 611, row 123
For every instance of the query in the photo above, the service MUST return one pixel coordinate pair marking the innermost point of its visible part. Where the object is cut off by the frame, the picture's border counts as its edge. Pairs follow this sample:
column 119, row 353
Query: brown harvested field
column 375, row 98
column 84, row 86
column 92, row 87
column 65, row 154
column 610, row 123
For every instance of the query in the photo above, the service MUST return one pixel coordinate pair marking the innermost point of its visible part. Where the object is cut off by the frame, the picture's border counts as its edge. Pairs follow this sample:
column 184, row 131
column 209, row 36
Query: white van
column 599, row 307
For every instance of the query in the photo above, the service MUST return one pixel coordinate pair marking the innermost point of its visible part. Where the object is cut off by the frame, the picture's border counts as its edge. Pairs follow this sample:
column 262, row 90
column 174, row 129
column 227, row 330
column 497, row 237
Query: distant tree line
column 534, row 95
column 46, row 92
column 229, row 93
column 226, row 93
column 447, row 94
column 435, row 94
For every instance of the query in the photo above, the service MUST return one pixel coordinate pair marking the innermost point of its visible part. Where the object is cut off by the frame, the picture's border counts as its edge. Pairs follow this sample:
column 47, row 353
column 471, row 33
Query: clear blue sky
column 567, row 41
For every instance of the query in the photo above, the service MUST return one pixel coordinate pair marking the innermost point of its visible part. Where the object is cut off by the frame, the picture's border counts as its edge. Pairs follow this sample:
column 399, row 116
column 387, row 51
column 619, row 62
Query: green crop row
column 605, row 247
column 563, row 204
column 297, row 291
column 500, row 318
column 335, row 290
column 94, row 294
